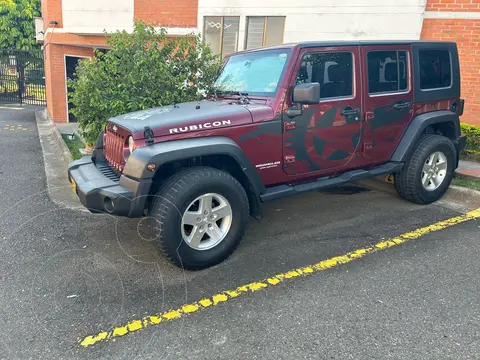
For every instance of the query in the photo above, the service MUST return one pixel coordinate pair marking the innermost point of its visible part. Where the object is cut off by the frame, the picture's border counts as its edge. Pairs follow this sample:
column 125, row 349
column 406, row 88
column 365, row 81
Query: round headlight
column 128, row 148
column 131, row 144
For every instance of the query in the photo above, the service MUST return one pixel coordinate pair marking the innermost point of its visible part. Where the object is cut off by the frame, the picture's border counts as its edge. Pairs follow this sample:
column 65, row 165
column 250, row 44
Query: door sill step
column 277, row 192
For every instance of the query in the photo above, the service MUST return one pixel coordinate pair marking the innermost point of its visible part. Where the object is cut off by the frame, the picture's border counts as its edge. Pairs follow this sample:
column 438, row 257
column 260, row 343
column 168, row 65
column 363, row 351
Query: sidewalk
column 67, row 128
column 469, row 170
column 56, row 158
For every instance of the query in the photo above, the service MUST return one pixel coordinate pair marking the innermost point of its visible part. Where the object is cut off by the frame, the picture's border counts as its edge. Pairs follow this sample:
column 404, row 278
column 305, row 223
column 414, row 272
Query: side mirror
column 306, row 94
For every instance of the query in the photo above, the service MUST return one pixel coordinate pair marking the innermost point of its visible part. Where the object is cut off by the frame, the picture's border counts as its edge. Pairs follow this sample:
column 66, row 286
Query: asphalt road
column 65, row 274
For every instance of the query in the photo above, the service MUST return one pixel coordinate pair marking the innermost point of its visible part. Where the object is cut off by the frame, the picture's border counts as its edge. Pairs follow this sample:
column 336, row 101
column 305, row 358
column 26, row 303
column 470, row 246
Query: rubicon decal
column 207, row 125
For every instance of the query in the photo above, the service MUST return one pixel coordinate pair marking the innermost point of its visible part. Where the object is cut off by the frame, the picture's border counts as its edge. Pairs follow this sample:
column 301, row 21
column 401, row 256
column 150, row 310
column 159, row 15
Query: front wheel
column 202, row 215
column 429, row 172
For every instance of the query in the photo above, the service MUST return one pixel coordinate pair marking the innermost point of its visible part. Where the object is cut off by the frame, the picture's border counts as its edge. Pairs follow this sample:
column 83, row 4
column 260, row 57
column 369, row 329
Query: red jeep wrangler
column 281, row 120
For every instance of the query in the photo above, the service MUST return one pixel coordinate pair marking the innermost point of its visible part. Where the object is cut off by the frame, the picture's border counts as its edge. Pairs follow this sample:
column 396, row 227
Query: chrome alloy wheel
column 434, row 171
column 206, row 221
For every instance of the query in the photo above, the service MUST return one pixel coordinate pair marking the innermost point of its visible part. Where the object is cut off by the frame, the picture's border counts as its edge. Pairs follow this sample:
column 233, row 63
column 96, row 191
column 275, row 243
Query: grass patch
column 472, row 133
column 74, row 146
column 472, row 184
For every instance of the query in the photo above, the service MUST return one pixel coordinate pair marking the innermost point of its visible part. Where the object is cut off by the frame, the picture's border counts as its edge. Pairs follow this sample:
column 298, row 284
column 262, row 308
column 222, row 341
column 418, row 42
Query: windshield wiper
column 214, row 91
column 243, row 96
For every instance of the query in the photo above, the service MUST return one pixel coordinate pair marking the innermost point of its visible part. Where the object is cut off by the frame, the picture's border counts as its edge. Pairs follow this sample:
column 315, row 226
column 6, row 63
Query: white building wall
column 305, row 19
column 95, row 16
column 326, row 19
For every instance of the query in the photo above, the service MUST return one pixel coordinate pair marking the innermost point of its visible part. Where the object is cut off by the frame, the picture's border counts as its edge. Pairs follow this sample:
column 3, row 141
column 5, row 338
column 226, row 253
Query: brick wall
column 449, row 20
column 55, row 77
column 453, row 5
column 52, row 10
column 178, row 13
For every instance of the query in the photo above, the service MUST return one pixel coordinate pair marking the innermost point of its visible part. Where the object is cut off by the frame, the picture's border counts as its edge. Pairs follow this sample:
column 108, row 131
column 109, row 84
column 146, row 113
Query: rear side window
column 387, row 71
column 332, row 70
column 435, row 69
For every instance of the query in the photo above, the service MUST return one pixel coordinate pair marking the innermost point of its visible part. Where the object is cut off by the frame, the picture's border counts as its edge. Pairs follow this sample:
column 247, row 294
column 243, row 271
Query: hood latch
column 148, row 133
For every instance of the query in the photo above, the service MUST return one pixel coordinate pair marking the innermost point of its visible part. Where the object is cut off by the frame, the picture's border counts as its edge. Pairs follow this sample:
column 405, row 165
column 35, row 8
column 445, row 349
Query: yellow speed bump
column 227, row 295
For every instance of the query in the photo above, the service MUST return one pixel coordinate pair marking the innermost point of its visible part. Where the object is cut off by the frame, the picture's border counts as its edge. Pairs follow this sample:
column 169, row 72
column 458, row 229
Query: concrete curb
column 56, row 158
column 468, row 169
column 463, row 195
column 66, row 154
column 457, row 197
column 466, row 176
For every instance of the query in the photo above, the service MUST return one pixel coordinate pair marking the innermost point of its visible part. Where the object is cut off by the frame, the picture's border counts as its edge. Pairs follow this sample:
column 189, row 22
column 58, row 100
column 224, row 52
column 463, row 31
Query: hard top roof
column 308, row 44
column 336, row 43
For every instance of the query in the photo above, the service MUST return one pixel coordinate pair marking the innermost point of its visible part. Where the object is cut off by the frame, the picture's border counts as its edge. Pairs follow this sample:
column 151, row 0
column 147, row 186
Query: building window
column 435, row 69
column 387, row 71
column 264, row 31
column 221, row 33
column 333, row 71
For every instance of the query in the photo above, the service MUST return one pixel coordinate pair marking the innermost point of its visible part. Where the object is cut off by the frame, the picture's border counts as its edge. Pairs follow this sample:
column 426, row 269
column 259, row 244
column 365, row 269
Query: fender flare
column 416, row 127
column 170, row 151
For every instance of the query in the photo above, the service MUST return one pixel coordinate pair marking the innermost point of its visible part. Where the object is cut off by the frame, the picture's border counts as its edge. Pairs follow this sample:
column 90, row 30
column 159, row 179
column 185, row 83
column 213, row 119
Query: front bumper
column 101, row 191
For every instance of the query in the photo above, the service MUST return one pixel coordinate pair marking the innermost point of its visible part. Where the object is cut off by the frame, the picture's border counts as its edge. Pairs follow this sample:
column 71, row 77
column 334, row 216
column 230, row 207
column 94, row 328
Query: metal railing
column 22, row 77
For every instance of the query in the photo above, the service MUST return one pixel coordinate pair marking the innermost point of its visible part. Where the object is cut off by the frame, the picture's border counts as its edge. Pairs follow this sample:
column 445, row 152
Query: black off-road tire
column 408, row 182
column 176, row 195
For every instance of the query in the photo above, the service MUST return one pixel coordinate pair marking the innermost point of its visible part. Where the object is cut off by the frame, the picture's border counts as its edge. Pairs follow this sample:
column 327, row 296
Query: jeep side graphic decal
column 200, row 126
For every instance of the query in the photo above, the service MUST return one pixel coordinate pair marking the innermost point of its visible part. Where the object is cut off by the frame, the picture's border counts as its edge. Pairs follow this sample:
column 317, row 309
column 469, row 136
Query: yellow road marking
column 13, row 128
column 224, row 296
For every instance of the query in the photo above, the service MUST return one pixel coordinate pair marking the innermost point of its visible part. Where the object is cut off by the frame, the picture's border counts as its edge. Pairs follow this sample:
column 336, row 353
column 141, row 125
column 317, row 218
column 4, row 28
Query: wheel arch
column 217, row 152
column 442, row 122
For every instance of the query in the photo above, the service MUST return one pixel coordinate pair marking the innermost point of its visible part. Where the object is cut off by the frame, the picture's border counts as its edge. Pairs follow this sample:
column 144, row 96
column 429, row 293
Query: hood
column 188, row 117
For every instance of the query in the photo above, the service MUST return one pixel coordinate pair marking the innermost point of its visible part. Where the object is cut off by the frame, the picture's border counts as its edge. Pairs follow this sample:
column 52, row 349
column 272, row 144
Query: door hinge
column 289, row 125
column 288, row 159
column 369, row 116
column 367, row 146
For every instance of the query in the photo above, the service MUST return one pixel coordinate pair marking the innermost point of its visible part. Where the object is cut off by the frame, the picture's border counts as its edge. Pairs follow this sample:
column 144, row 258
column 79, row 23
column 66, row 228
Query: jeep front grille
column 114, row 148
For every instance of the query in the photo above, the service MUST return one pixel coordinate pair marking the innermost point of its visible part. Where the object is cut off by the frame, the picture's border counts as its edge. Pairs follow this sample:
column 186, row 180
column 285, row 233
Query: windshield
column 255, row 73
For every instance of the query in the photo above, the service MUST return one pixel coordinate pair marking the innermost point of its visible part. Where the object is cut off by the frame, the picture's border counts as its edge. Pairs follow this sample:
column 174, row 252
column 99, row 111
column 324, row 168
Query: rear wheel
column 202, row 215
column 429, row 172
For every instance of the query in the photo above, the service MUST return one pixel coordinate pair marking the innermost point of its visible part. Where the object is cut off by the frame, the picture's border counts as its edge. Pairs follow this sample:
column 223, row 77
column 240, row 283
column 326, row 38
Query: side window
column 387, row 71
column 435, row 69
column 333, row 71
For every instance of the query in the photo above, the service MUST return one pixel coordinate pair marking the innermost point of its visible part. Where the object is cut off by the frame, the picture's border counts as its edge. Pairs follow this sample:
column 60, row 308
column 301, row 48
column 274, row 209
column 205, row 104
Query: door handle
column 401, row 105
column 348, row 111
column 351, row 115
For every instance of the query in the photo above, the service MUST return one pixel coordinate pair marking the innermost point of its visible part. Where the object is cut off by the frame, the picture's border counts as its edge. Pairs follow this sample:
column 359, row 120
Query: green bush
column 141, row 70
column 473, row 138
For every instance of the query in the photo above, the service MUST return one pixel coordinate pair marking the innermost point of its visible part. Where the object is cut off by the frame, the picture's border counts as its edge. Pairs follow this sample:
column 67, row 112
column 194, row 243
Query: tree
column 140, row 70
column 17, row 31
column 17, row 27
